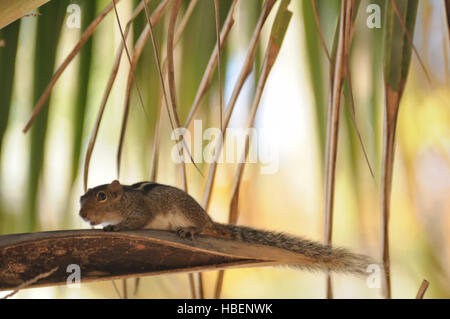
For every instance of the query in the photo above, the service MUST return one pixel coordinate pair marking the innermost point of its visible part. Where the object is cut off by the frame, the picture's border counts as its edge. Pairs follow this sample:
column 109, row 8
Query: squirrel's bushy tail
column 322, row 257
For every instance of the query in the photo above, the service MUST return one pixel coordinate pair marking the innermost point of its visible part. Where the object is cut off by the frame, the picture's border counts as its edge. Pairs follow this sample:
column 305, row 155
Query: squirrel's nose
column 83, row 213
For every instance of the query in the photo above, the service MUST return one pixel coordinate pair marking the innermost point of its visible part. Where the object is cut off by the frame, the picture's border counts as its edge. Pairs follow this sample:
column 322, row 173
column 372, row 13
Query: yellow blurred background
column 292, row 199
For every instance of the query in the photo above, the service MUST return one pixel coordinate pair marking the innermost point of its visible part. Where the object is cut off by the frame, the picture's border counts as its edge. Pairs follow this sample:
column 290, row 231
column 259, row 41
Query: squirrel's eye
column 101, row 196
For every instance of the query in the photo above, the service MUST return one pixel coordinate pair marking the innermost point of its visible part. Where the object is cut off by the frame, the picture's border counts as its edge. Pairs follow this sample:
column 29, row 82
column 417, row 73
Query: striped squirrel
column 147, row 205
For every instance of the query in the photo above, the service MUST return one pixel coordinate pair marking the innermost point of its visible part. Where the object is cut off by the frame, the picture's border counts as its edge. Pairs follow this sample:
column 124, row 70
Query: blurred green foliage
column 191, row 58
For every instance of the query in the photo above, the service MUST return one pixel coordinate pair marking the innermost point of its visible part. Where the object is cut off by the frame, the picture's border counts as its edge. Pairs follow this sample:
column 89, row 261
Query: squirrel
column 148, row 205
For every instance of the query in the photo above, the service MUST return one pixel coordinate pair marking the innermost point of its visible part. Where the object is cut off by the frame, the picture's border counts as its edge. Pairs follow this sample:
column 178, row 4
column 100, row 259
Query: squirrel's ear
column 115, row 189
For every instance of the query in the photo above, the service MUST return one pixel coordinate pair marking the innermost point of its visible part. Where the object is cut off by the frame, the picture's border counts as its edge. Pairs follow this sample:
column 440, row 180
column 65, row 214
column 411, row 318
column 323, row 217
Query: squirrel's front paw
column 111, row 228
column 186, row 232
